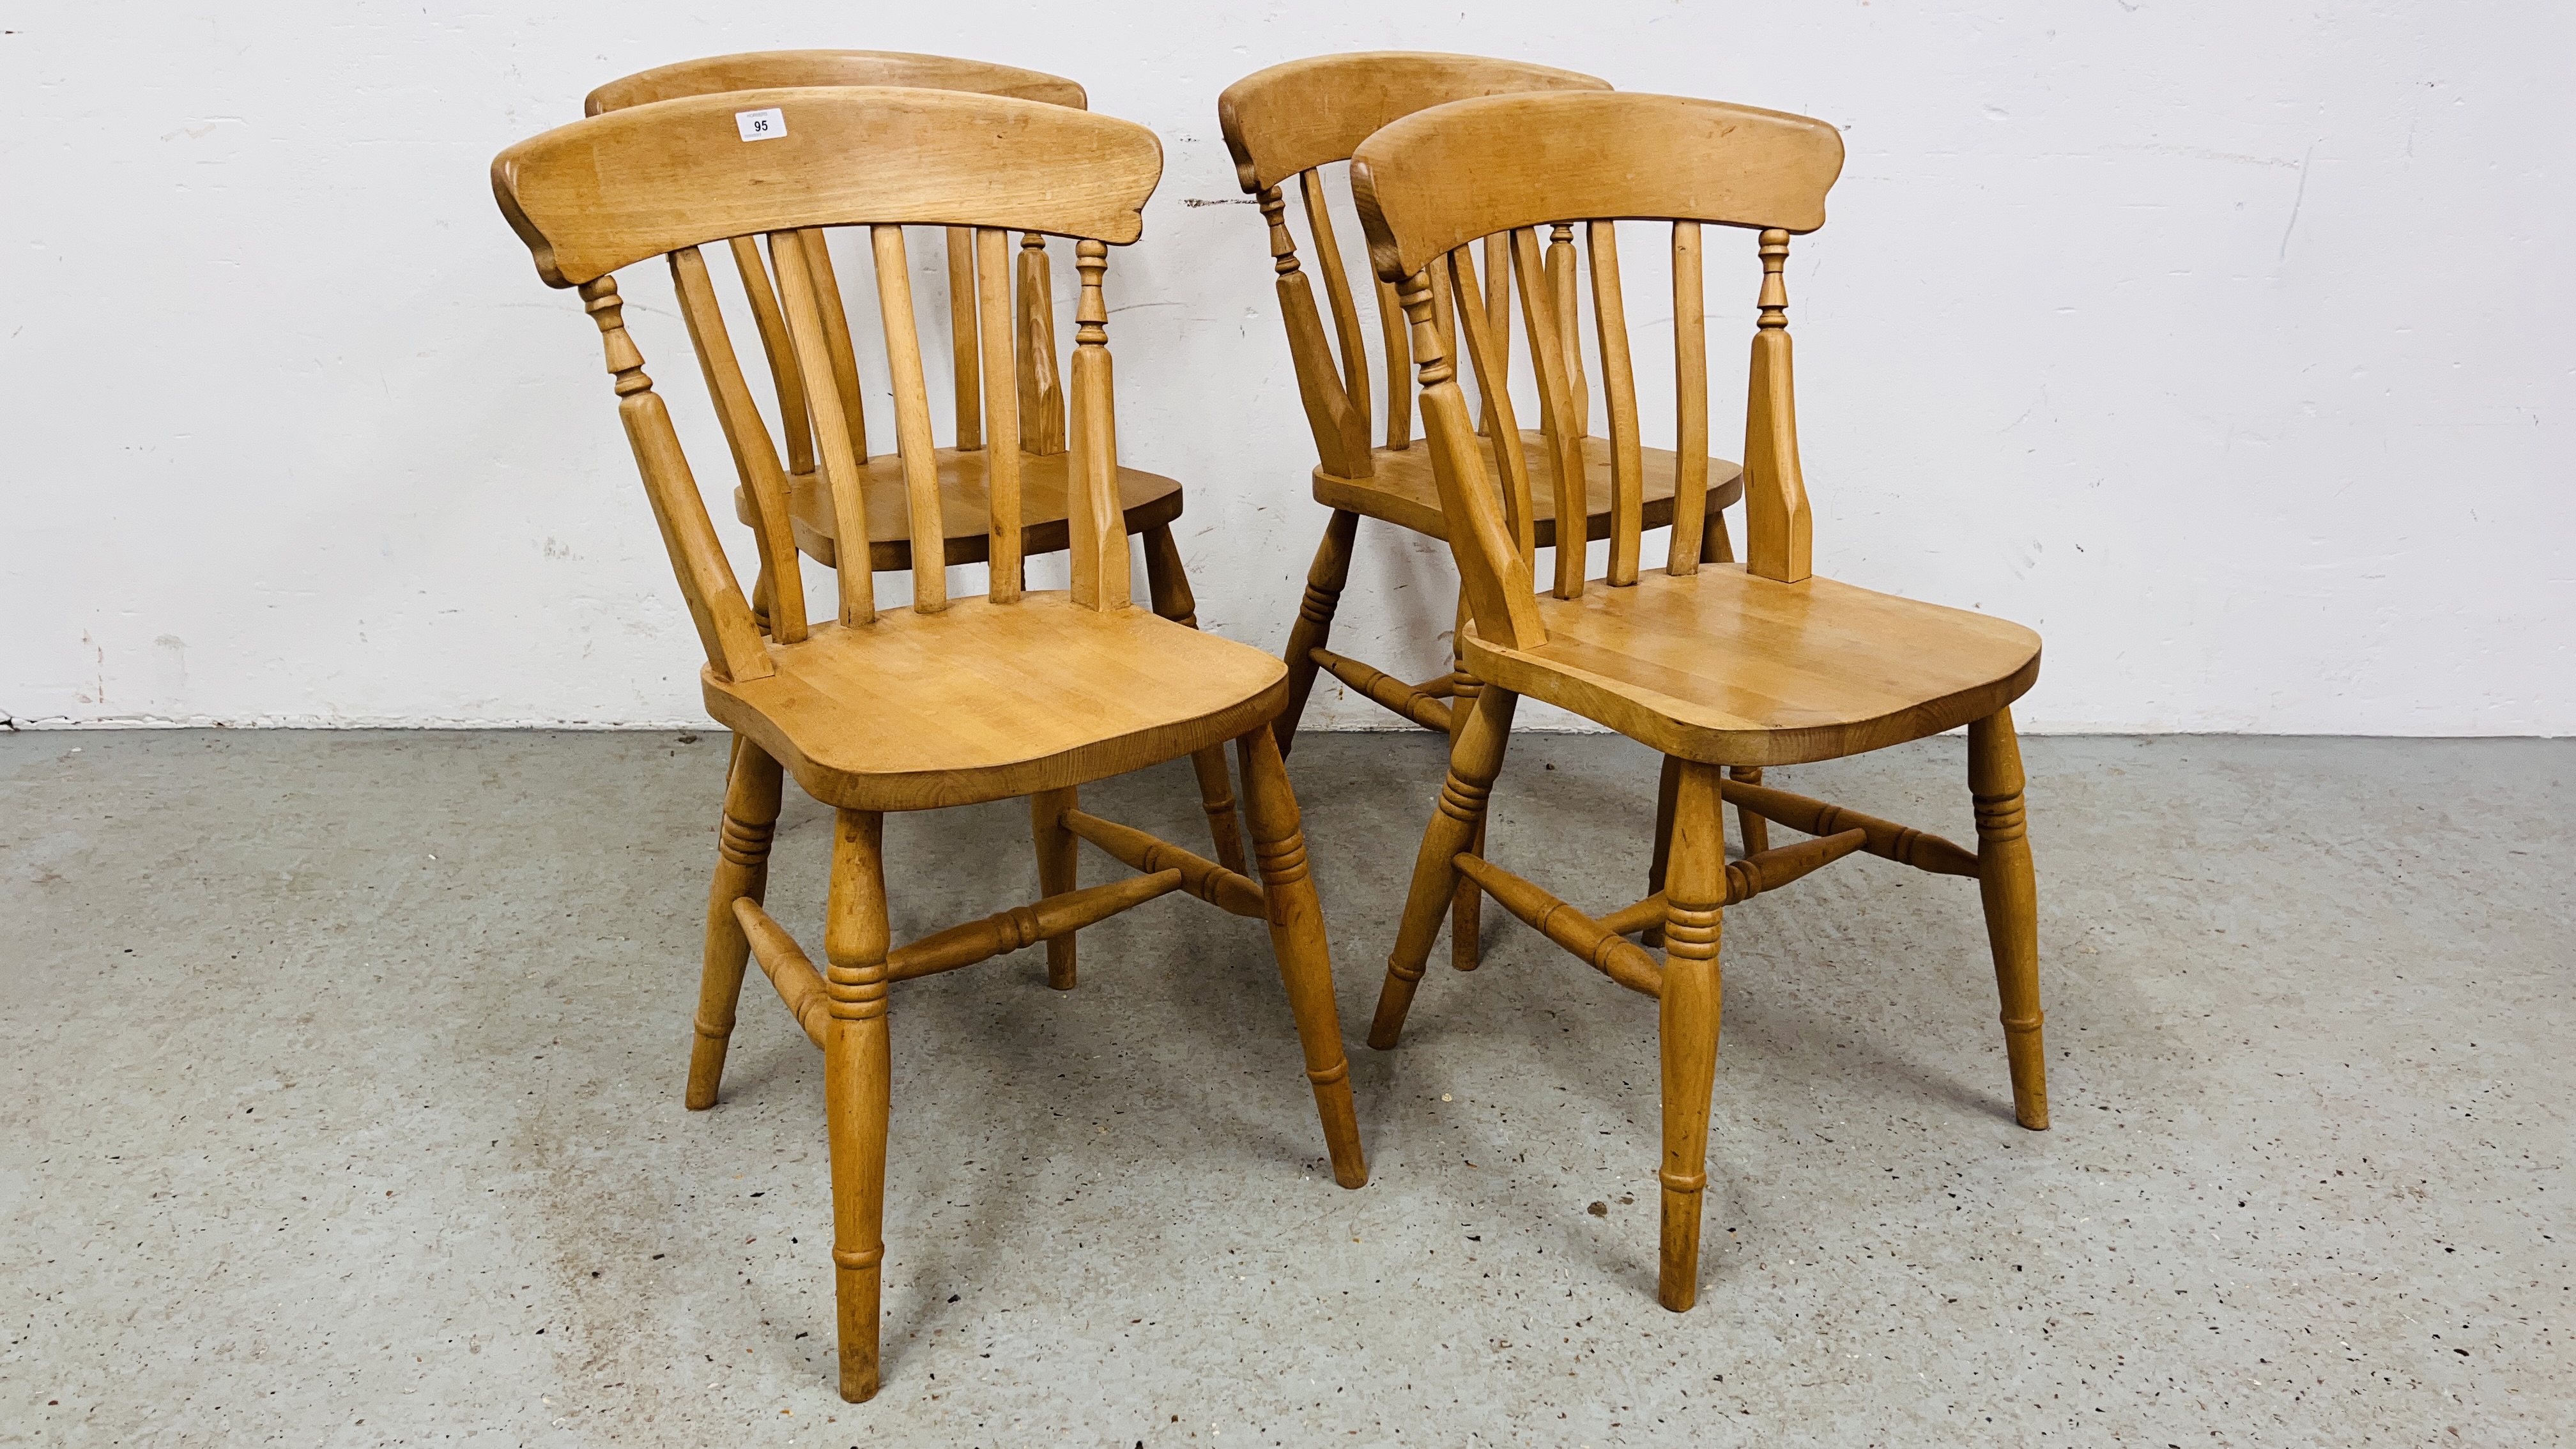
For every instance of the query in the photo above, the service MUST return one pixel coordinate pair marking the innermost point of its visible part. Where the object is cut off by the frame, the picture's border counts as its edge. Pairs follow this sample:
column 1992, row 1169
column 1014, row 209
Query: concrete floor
column 342, row 1107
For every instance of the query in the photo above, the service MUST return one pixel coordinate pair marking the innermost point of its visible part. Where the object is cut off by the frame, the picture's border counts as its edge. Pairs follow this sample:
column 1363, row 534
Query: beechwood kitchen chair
column 1150, row 501
column 1292, row 121
column 1713, row 664
column 951, row 700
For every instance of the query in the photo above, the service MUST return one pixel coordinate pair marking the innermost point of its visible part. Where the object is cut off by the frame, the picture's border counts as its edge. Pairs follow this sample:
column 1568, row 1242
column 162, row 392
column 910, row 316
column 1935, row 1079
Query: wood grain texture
column 769, row 69
column 905, row 714
column 1307, row 113
column 611, row 190
column 1727, row 668
column 1431, row 182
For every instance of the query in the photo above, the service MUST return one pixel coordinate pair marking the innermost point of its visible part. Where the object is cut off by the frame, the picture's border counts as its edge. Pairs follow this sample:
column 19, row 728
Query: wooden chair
column 950, row 701
column 1714, row 664
column 1150, row 501
column 1293, row 120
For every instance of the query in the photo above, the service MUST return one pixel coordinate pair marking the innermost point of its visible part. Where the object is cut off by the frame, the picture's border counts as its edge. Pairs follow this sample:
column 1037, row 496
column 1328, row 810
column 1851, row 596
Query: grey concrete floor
column 343, row 1078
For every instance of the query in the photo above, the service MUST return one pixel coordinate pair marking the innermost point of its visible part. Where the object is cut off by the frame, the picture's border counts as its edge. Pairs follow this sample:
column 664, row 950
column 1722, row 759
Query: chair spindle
column 1337, row 290
column 1094, row 525
column 747, row 437
column 1619, row 383
column 836, row 336
column 1556, row 410
column 1690, row 403
column 963, row 339
column 1341, row 434
column 1778, row 527
column 912, row 422
column 1041, row 389
column 1561, row 287
column 1001, row 412
column 779, row 352
column 836, row 450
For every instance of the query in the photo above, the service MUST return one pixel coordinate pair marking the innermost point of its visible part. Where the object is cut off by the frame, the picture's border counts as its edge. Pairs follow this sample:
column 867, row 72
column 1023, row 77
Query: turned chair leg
column 1297, row 940
column 1169, row 586
column 1665, row 786
column 1686, row 1021
column 1467, row 908
column 1757, row 831
column 1473, row 762
column 742, row 869
column 1314, row 626
column 857, row 1085
column 1059, row 860
column 2012, row 906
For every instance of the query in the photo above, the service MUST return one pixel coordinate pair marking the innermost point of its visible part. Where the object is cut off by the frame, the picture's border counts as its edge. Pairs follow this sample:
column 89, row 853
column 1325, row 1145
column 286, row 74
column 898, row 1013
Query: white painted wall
column 2229, row 345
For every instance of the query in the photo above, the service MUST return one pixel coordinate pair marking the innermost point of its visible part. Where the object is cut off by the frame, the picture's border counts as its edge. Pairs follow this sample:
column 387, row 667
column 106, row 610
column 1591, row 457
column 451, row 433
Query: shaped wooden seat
column 1721, row 667
column 1726, row 667
column 1149, row 501
column 985, row 701
column 1290, row 122
column 948, row 700
column 1025, row 334
column 1400, row 488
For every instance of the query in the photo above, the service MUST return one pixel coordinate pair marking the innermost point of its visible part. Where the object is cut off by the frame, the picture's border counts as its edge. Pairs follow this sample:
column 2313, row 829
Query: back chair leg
column 1757, row 831
column 742, row 869
column 1169, row 586
column 857, row 1085
column 1665, row 786
column 1466, row 909
column 1686, row 1020
column 2012, row 906
column 1473, row 762
column 1059, row 860
column 1297, row 940
column 1314, row 626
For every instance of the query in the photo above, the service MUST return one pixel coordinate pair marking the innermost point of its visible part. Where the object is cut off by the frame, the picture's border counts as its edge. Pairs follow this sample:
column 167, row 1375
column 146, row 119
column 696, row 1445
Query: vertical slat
column 1490, row 354
column 1569, row 317
column 1556, row 409
column 836, row 458
column 1778, row 529
column 1619, row 383
column 754, row 459
column 1690, row 403
column 716, row 605
column 912, row 422
column 1095, row 528
column 1041, row 388
column 1491, row 569
column 836, row 335
column 1001, row 411
column 1341, row 434
column 1399, row 370
column 963, row 341
column 1498, row 313
column 1337, row 291
column 780, row 352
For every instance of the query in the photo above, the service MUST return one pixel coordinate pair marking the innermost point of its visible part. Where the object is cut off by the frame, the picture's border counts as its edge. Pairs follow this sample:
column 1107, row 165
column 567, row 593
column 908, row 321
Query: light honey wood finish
column 919, row 495
column 1283, row 126
column 1723, row 667
column 954, row 699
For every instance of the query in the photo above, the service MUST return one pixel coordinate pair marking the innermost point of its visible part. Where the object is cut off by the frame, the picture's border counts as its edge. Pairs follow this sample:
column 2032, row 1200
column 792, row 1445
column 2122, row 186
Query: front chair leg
column 1169, row 585
column 1059, row 862
column 1297, row 940
column 1686, row 1020
column 1473, row 762
column 1314, row 626
column 2012, row 906
column 857, row 1086
column 742, row 869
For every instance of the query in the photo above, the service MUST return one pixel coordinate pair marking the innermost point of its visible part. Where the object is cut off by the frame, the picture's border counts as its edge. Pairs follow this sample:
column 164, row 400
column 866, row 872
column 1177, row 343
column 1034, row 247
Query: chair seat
column 1149, row 499
column 1727, row 668
column 985, row 701
column 1402, row 491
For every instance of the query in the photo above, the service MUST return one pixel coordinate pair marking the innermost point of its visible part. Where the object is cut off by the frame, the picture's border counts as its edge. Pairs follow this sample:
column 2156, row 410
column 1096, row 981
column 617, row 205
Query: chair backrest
column 1032, row 320
column 668, row 178
column 1432, row 184
column 1295, row 119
